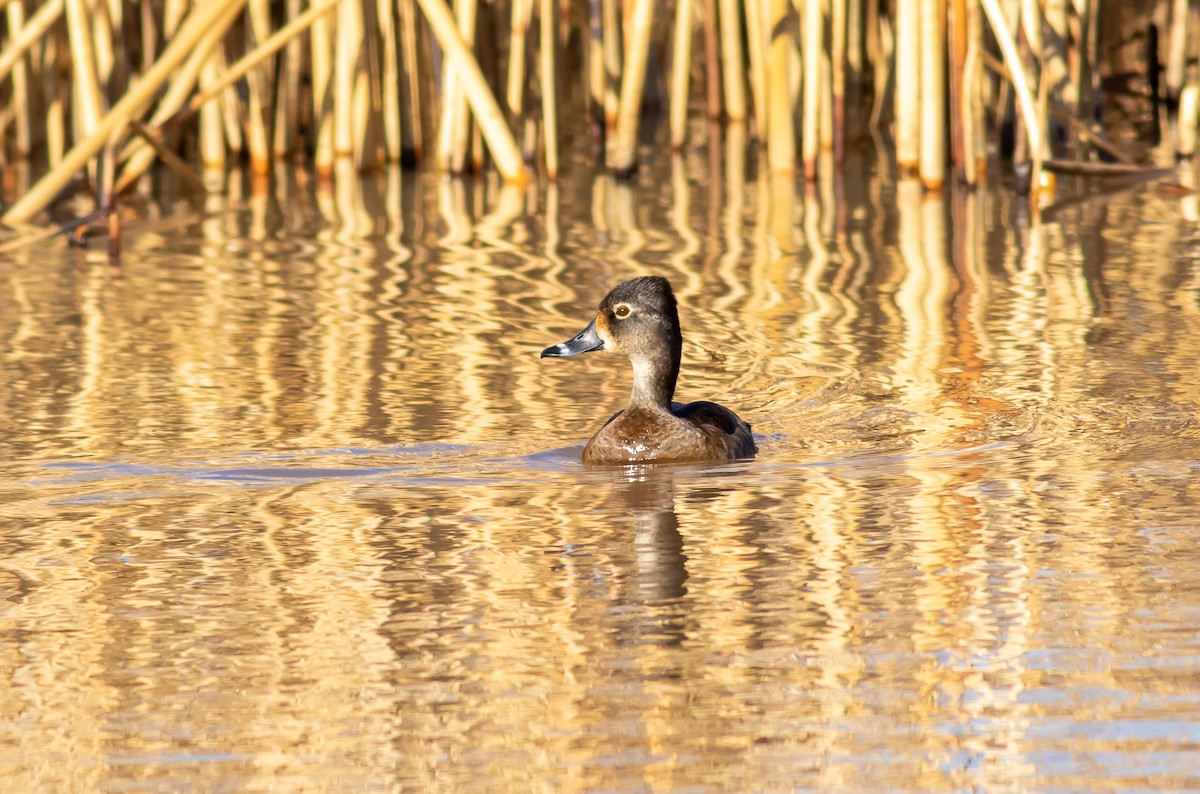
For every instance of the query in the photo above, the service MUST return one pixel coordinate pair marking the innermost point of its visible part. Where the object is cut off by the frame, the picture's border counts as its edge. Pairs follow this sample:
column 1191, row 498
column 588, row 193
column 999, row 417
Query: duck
column 639, row 319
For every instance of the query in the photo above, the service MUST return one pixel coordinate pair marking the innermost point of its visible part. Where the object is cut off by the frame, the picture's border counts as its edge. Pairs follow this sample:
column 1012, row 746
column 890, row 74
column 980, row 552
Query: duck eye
column 622, row 311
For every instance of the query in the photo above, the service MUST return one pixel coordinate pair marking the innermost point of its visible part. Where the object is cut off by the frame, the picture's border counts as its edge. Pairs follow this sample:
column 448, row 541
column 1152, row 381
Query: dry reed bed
column 107, row 86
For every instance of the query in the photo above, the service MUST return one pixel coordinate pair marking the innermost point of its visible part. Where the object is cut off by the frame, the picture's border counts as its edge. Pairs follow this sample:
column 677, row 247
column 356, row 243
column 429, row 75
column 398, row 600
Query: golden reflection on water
column 290, row 501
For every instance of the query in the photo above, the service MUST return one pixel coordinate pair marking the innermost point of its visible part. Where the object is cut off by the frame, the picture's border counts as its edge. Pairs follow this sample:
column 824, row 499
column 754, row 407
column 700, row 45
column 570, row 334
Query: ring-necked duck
column 639, row 319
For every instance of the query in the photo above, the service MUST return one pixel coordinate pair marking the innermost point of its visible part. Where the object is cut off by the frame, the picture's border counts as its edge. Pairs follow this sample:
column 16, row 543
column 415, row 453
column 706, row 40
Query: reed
column 594, row 57
column 1189, row 120
column 839, row 61
column 908, row 85
column 348, row 42
column 15, row 13
column 456, row 124
column 1177, row 49
column 812, row 32
column 258, row 143
column 778, row 118
column 932, row 165
column 483, row 104
column 612, row 63
column 521, row 10
column 712, row 61
column 549, row 86
column 732, row 71
column 633, row 83
column 393, row 137
column 757, row 38
column 412, row 133
column 286, row 125
column 321, row 46
column 362, row 81
column 89, row 104
column 681, row 70
column 205, row 20
column 24, row 36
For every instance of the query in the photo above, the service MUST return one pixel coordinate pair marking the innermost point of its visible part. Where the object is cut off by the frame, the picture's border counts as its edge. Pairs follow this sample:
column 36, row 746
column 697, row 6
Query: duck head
column 639, row 318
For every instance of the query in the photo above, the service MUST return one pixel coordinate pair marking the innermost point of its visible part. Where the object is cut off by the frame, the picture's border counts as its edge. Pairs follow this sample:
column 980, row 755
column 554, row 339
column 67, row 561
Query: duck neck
column 654, row 382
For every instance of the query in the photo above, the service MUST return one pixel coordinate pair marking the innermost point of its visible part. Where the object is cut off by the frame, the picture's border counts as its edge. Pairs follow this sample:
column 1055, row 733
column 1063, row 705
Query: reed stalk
column 460, row 120
column 813, row 36
column 139, row 156
column 756, row 44
column 445, row 143
column 102, row 41
column 681, row 69
column 908, row 86
column 960, row 99
column 1177, row 48
column 731, row 60
column 150, row 138
column 149, row 33
column 932, row 167
column 712, row 61
column 231, row 110
column 595, row 58
column 879, row 42
column 826, row 97
column 20, row 83
column 1086, row 53
column 517, row 54
column 30, row 33
column 1057, row 73
column 120, row 13
column 780, row 131
column 347, row 57
column 53, row 88
column 633, row 82
column 1020, row 83
column 392, row 136
column 479, row 152
column 287, row 105
column 321, row 43
column 267, row 48
column 364, row 106
column 976, row 145
column 612, row 65
column 88, row 103
column 212, row 130
column 408, row 49
column 491, row 120
column 838, row 63
column 174, row 12
column 258, row 94
column 206, row 18
column 1188, row 120
column 549, row 87
column 855, row 16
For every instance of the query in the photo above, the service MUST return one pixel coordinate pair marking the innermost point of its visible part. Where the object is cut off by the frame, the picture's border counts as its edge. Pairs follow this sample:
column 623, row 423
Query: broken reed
column 108, row 86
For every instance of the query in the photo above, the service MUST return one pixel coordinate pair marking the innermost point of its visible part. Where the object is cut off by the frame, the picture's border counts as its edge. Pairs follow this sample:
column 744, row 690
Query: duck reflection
column 660, row 566
column 649, row 606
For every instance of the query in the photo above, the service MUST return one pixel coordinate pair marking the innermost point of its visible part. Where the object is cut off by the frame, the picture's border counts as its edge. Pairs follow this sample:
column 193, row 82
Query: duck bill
column 585, row 341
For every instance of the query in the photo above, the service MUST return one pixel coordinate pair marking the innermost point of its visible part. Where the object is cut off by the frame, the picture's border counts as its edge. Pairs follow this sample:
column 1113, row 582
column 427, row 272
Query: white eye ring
column 621, row 311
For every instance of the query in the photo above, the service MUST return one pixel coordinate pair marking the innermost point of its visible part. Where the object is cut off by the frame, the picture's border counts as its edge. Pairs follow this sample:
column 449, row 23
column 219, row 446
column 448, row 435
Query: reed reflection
column 964, row 552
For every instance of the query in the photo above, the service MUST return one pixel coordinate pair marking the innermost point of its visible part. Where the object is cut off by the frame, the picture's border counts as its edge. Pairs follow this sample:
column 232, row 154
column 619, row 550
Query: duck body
column 639, row 318
column 693, row 432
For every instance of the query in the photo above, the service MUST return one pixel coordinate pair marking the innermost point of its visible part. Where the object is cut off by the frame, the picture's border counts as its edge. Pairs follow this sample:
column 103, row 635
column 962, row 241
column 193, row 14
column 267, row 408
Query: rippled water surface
column 288, row 500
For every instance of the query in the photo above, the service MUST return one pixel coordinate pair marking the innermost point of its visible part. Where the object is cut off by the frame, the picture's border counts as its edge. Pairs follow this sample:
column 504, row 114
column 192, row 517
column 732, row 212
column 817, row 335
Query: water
column 290, row 502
